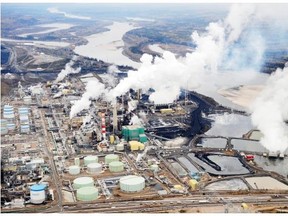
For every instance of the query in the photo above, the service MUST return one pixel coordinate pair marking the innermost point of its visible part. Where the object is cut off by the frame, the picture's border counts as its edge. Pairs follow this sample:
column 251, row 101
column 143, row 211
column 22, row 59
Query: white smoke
column 135, row 120
column 68, row 70
column 215, row 49
column 94, row 90
column 270, row 110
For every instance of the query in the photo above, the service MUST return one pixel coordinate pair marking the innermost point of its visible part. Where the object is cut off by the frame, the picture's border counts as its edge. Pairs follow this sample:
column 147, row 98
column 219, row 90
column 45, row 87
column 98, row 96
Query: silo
column 87, row 194
column 94, row 168
column 154, row 167
column 77, row 161
column 4, row 128
column 132, row 183
column 37, row 193
column 83, row 182
column 110, row 158
column 90, row 159
column 116, row 166
column 74, row 170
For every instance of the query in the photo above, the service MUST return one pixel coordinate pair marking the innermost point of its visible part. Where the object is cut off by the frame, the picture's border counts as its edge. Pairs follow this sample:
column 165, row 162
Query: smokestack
column 103, row 126
column 115, row 119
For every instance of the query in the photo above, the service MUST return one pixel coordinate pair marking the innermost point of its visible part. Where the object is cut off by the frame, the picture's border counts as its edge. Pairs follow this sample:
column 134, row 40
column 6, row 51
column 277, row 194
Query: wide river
column 108, row 46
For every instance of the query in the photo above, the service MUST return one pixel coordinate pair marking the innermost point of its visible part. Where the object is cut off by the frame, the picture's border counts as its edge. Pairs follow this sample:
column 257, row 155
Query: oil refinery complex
column 133, row 156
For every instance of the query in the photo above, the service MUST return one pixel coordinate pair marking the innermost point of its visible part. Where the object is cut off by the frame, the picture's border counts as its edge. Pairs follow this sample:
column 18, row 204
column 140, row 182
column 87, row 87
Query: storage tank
column 27, row 99
column 193, row 184
column 132, row 183
column 23, row 111
column 24, row 119
column 116, row 166
column 112, row 139
column 87, row 194
column 24, row 128
column 4, row 128
column 8, row 112
column 83, row 182
column 110, row 158
column 90, row 159
column 11, row 126
column 77, row 161
column 120, row 147
column 74, row 170
column 154, row 167
column 94, row 168
column 37, row 193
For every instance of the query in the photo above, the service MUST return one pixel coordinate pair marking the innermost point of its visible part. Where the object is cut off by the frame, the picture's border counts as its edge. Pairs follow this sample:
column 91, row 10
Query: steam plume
column 215, row 49
column 68, row 70
column 94, row 90
column 270, row 111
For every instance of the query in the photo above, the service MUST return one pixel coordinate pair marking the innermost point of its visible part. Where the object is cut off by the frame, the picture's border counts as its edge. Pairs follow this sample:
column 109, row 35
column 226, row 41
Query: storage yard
column 103, row 160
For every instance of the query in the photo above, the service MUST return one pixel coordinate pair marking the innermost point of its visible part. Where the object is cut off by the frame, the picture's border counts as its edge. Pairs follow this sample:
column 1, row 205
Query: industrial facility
column 133, row 150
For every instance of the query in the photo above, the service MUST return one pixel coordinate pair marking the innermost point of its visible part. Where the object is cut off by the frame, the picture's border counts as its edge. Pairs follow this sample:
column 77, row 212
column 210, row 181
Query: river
column 108, row 46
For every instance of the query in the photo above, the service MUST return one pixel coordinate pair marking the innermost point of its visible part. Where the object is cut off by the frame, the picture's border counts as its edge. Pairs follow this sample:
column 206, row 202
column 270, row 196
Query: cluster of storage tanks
column 94, row 167
column 84, row 186
column 8, row 121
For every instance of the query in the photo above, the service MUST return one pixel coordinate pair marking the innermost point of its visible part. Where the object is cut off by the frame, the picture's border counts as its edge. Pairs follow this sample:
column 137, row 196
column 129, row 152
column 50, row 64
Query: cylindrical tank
column 77, row 161
column 74, row 170
column 94, row 168
column 37, row 193
column 24, row 128
column 8, row 112
column 110, row 158
column 24, row 119
column 116, row 166
column 120, row 147
column 112, row 139
column 4, row 128
column 23, row 111
column 27, row 99
column 154, row 167
column 132, row 183
column 90, row 159
column 83, row 182
column 87, row 194
column 11, row 126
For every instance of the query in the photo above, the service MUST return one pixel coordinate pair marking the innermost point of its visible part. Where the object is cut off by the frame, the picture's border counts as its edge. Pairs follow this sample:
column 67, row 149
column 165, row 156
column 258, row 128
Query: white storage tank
column 24, row 128
column 27, row 99
column 11, row 126
column 74, row 170
column 8, row 112
column 154, row 167
column 77, row 161
column 116, row 166
column 87, row 194
column 132, row 183
column 37, row 193
column 83, row 182
column 94, row 168
column 120, row 147
column 90, row 159
column 110, row 158
column 24, row 119
column 23, row 111
column 4, row 128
